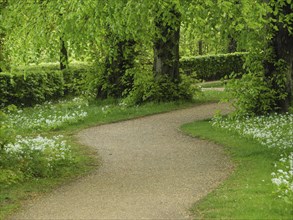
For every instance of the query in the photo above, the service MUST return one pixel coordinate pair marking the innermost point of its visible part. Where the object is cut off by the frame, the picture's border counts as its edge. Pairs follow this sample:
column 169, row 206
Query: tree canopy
column 106, row 32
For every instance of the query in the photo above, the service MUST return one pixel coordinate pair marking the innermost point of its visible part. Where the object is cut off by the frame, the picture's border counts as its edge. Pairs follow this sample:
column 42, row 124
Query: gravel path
column 150, row 170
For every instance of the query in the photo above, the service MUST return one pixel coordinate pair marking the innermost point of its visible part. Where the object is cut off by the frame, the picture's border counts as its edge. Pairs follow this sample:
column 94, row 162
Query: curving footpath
column 150, row 170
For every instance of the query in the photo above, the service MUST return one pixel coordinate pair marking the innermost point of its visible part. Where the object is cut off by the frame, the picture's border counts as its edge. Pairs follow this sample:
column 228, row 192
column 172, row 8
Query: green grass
column 213, row 84
column 13, row 196
column 213, row 96
column 247, row 193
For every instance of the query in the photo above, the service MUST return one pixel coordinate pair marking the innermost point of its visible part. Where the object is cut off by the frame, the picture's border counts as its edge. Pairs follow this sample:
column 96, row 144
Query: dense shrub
column 213, row 67
column 254, row 94
column 30, row 87
column 146, row 87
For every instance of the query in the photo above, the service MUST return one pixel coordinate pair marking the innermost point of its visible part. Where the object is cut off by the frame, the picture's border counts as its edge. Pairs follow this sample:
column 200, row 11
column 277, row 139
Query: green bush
column 146, row 87
column 33, row 86
column 213, row 67
column 254, row 94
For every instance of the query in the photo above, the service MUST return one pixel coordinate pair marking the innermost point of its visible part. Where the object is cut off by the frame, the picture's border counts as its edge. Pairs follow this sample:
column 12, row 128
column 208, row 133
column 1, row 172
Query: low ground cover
column 262, row 185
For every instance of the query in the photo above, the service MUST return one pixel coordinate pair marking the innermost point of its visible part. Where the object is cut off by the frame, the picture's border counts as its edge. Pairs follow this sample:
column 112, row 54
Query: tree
column 166, row 42
column 37, row 31
column 266, row 32
column 279, row 68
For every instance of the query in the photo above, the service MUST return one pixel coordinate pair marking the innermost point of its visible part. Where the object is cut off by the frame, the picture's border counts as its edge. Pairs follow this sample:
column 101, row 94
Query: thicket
column 214, row 67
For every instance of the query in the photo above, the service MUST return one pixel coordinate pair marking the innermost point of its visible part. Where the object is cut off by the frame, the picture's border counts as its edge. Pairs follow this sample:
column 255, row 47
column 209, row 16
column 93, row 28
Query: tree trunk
column 166, row 47
column 282, row 45
column 63, row 55
column 232, row 47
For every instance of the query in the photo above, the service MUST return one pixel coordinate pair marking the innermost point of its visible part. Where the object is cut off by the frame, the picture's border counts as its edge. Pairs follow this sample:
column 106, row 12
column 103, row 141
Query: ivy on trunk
column 166, row 45
column 279, row 68
column 119, row 59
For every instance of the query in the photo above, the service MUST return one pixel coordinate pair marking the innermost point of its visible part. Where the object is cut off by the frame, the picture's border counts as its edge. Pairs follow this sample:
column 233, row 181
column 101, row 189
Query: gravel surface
column 150, row 170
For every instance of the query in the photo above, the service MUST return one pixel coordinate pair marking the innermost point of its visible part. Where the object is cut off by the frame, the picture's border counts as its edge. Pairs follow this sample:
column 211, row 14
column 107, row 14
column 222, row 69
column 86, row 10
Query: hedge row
column 213, row 67
column 28, row 87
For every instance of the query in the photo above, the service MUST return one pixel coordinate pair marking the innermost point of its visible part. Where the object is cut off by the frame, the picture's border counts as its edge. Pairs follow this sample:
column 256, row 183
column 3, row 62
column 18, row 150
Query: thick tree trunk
column 282, row 45
column 63, row 55
column 166, row 47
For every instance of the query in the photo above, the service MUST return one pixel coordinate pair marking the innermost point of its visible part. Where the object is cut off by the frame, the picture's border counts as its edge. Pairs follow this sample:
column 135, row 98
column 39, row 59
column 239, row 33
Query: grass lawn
column 248, row 192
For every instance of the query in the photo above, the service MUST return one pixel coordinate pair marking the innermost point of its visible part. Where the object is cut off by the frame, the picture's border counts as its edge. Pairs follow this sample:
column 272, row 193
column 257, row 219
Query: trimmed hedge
column 30, row 87
column 213, row 67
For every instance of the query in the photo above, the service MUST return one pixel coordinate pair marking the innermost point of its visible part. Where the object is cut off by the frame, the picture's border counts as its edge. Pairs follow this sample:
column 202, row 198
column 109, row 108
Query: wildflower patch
column 272, row 131
column 49, row 116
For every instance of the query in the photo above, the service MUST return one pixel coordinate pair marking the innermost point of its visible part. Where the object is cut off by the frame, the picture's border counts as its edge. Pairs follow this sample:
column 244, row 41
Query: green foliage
column 253, row 95
column 9, row 177
column 147, row 88
column 213, row 67
column 165, row 89
column 280, row 15
column 188, row 88
column 142, row 88
column 28, row 88
column 267, row 87
column 75, row 80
